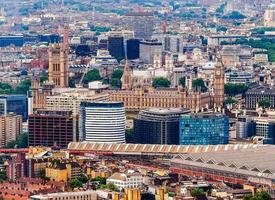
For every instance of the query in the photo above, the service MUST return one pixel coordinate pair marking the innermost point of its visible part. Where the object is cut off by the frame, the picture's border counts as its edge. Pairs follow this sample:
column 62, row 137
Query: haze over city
column 137, row 100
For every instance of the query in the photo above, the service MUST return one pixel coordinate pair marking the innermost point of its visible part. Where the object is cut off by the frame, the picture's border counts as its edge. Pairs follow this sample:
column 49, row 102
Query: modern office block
column 133, row 48
column 50, row 128
column 102, row 122
column 158, row 126
column 149, row 49
column 116, row 47
column 17, row 104
column 204, row 129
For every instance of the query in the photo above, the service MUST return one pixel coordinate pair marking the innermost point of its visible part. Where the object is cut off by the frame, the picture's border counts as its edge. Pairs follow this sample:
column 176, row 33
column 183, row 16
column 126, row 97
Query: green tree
column 23, row 87
column 42, row 79
column 199, row 84
column 71, row 82
column 182, row 81
column 22, row 140
column 232, row 89
column 264, row 103
column 75, row 183
column 161, row 82
column 3, row 176
column 117, row 73
column 83, row 178
column 263, row 195
column 129, row 135
column 11, row 144
column 197, row 192
column 100, row 180
column 230, row 100
column 92, row 75
column 112, row 187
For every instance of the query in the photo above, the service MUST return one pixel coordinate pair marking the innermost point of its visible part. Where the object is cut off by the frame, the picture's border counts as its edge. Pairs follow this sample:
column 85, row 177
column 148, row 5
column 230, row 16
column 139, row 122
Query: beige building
column 71, row 100
column 58, row 65
column 83, row 195
column 269, row 18
column 10, row 128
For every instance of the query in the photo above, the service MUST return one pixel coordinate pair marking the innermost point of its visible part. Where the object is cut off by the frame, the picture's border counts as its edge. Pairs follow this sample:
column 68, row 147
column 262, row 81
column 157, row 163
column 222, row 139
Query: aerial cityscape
column 137, row 99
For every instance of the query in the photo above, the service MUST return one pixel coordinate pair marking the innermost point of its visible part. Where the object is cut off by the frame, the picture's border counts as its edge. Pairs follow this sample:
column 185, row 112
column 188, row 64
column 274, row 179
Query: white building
column 123, row 180
column 102, row 122
column 83, row 195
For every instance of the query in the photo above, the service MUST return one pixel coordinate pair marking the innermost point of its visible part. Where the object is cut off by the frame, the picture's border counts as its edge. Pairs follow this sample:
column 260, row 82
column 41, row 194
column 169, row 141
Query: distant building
column 142, row 23
column 58, row 65
column 102, row 122
column 254, row 95
column 245, row 127
column 116, row 47
column 204, row 129
column 244, row 77
column 269, row 18
column 173, row 43
column 17, row 167
column 49, row 128
column 17, row 104
column 10, row 128
column 39, row 92
column 126, row 180
column 132, row 48
column 158, row 126
column 83, row 195
column 148, row 49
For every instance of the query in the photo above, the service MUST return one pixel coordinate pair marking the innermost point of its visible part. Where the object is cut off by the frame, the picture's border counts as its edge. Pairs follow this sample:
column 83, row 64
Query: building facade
column 132, row 49
column 10, row 128
column 149, row 49
column 158, row 126
column 254, row 95
column 50, row 128
column 147, row 97
column 102, row 122
column 17, row 104
column 204, row 129
column 116, row 47
column 58, row 66
column 130, row 180
column 83, row 195
column 142, row 23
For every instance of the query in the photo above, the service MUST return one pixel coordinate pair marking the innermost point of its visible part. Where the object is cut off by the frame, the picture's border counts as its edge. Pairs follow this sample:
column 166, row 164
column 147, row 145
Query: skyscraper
column 49, row 128
column 116, row 47
column 102, row 122
column 158, row 126
column 149, row 49
column 132, row 49
column 204, row 129
column 58, row 66
column 142, row 23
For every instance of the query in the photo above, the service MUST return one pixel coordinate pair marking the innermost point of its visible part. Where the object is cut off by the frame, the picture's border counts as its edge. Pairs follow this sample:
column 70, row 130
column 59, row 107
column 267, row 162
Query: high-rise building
column 158, row 126
column 102, row 122
column 50, row 128
column 10, row 128
column 132, row 49
column 204, row 129
column 17, row 104
column 148, row 49
column 116, row 47
column 173, row 43
column 142, row 23
column 58, row 65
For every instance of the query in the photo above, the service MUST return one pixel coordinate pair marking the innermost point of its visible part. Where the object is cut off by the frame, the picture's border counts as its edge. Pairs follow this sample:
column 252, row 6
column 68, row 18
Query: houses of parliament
column 138, row 97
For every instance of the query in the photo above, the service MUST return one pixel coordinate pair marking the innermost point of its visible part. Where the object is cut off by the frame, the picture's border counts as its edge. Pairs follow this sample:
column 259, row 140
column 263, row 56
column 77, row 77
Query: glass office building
column 204, row 129
column 17, row 104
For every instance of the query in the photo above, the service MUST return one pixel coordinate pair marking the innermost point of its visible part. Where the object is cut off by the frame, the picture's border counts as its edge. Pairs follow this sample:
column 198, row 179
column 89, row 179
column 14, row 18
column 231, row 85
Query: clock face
column 218, row 72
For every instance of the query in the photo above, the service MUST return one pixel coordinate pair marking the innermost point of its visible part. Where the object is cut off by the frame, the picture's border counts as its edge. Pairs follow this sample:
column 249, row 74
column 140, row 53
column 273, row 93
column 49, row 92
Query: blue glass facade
column 17, row 104
column 204, row 129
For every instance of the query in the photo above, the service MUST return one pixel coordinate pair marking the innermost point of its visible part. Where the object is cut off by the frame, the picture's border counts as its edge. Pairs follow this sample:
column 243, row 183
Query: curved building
column 102, row 122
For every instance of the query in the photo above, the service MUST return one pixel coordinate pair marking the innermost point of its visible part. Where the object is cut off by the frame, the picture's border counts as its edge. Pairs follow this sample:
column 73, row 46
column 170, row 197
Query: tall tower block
column 219, row 86
column 58, row 72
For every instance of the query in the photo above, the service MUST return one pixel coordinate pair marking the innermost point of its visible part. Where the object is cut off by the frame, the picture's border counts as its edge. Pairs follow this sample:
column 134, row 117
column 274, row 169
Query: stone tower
column 126, row 78
column 58, row 67
column 219, row 86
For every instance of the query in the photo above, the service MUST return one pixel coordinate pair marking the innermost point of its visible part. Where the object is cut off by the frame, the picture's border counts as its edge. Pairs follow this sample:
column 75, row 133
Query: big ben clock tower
column 219, row 86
